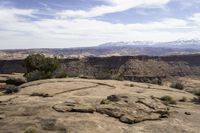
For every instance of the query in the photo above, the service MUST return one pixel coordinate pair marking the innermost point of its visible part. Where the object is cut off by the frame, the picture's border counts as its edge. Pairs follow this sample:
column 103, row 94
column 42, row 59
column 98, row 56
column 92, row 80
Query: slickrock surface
column 96, row 106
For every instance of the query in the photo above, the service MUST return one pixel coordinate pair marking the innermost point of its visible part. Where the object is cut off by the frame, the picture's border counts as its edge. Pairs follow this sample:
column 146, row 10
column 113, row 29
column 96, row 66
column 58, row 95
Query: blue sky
column 79, row 23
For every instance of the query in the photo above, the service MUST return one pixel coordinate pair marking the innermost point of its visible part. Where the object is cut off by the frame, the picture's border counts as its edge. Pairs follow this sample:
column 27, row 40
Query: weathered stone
column 113, row 98
column 130, row 109
column 74, row 107
column 126, row 119
column 109, row 110
column 187, row 113
column 83, row 109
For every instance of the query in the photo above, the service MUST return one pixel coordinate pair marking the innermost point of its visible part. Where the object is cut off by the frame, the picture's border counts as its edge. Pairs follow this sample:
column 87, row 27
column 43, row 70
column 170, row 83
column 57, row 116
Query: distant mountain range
column 179, row 47
column 181, row 44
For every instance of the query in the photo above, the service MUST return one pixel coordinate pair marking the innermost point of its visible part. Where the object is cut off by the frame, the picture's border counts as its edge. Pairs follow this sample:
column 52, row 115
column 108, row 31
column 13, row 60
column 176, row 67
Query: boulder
column 126, row 108
column 74, row 107
column 131, row 109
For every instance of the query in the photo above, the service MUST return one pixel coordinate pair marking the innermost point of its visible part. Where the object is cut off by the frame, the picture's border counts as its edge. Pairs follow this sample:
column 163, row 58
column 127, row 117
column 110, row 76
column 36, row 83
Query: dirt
column 75, row 105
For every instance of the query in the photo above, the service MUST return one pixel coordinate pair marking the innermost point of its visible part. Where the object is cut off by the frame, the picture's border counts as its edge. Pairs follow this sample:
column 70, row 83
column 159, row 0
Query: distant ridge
column 180, row 47
column 193, row 44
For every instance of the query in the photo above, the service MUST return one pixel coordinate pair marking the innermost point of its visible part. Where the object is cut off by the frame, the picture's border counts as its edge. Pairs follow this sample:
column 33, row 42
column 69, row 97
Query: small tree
column 40, row 67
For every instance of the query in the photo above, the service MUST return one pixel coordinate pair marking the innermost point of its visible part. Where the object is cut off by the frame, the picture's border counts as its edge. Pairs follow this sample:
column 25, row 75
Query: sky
column 80, row 23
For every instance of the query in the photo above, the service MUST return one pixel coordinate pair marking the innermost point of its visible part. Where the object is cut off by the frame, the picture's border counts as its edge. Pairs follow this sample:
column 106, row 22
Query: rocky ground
column 75, row 105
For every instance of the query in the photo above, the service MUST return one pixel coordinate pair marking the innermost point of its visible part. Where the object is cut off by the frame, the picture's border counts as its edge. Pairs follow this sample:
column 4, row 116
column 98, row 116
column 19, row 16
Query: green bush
column 40, row 67
column 60, row 74
column 168, row 100
column 177, row 85
column 34, row 75
column 41, row 63
column 10, row 89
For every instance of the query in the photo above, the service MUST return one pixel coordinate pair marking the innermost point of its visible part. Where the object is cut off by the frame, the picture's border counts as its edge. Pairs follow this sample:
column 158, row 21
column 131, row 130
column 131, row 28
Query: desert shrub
column 117, row 77
column 102, row 75
column 156, row 81
column 40, row 67
column 31, row 130
column 41, row 63
column 72, row 74
column 16, row 81
column 34, row 75
column 168, row 100
column 196, row 100
column 131, row 85
column 177, row 85
column 197, row 92
column 10, row 89
column 60, row 74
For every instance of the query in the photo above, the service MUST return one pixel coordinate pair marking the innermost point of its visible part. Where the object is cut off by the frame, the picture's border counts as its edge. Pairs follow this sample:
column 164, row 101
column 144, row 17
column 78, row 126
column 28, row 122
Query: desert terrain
column 99, row 66
column 74, row 105
column 125, row 94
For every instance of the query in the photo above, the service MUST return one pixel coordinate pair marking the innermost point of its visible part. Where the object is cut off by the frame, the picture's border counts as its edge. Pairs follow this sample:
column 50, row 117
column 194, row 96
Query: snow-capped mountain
column 181, row 44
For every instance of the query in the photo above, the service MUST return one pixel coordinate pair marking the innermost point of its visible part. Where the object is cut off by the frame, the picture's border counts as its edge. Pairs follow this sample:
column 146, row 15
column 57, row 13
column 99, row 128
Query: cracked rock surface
column 128, row 109
column 96, row 106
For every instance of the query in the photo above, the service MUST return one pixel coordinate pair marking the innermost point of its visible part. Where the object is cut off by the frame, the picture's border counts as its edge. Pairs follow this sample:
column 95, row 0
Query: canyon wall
column 122, row 67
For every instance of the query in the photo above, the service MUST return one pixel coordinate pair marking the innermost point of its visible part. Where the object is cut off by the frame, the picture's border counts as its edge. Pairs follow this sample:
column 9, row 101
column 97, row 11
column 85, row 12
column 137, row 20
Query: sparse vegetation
column 16, row 81
column 196, row 100
column 168, row 100
column 60, row 74
column 34, row 75
column 177, row 85
column 130, row 85
column 31, row 130
column 117, row 77
column 156, row 81
column 197, row 92
column 10, row 89
column 40, row 67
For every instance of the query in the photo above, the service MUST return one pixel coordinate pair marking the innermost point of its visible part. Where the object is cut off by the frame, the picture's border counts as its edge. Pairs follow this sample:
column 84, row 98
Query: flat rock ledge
column 128, row 109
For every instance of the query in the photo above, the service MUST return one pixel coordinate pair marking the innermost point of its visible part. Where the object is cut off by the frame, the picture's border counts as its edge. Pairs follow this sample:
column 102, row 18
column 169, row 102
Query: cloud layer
column 25, row 28
column 112, row 7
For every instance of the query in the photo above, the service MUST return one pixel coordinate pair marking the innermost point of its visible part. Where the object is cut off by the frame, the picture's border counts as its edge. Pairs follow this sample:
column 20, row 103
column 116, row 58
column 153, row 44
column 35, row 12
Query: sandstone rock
column 74, row 107
column 187, row 113
column 130, row 109
column 113, row 98
column 83, row 109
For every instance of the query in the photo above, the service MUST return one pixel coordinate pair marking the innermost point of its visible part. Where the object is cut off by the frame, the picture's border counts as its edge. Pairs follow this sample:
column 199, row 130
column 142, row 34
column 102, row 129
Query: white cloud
column 18, row 32
column 196, row 18
column 114, row 6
